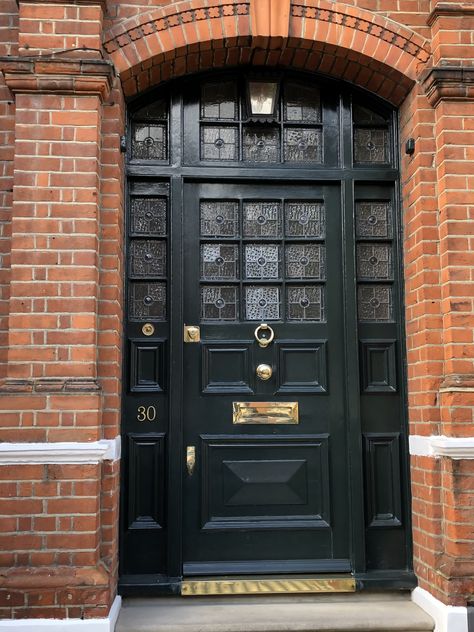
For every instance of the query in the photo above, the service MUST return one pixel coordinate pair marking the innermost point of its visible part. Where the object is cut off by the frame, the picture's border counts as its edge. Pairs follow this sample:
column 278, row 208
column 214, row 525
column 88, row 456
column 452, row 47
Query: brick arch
column 316, row 35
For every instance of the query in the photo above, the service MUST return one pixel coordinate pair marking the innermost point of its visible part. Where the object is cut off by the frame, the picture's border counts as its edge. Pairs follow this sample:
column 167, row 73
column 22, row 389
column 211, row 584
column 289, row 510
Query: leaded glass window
column 271, row 256
column 150, row 132
column 371, row 136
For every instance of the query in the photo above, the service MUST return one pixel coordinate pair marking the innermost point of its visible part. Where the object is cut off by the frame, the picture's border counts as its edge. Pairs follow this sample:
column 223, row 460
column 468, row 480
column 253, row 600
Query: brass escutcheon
column 192, row 333
column 264, row 372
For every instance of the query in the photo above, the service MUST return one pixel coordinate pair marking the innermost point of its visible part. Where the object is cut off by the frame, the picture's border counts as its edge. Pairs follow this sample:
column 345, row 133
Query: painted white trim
column 65, row 625
column 447, row 618
column 436, row 446
column 72, row 453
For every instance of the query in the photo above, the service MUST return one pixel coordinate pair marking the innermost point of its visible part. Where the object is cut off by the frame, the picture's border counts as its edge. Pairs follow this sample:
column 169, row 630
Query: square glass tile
column 147, row 258
column 262, row 303
column 305, row 302
column 262, row 261
column 148, row 216
column 374, row 219
column 219, row 262
column 374, row 261
column 219, row 219
column 147, row 301
column 262, row 219
column 219, row 143
column 305, row 219
column 219, row 100
column 301, row 103
column 375, row 303
column 261, row 144
column 371, row 145
column 305, row 261
column 149, row 141
column 303, row 144
column 219, row 303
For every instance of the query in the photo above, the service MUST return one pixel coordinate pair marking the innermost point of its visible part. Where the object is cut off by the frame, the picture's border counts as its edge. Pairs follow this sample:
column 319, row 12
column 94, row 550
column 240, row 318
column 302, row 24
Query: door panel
column 256, row 253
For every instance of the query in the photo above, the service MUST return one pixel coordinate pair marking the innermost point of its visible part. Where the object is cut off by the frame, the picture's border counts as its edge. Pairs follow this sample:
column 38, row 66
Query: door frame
column 177, row 174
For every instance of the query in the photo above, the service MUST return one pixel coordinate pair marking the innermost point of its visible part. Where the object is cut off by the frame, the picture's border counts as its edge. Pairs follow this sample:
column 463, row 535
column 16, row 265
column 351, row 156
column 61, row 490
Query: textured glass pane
column 374, row 261
column 305, row 303
column 262, row 303
column 305, row 219
column 219, row 143
column 262, row 219
column 149, row 142
column 371, row 145
column 374, row 219
column 219, row 261
column 147, row 301
column 305, row 261
column 219, row 101
column 303, row 144
column 261, row 144
column 363, row 116
column 156, row 110
column 219, row 303
column 147, row 258
column 148, row 216
column 219, row 219
column 262, row 261
column 375, row 302
column 302, row 103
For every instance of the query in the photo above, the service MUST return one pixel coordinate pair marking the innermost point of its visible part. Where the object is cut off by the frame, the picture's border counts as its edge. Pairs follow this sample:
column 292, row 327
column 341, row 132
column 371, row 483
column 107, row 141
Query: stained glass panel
column 147, row 301
column 219, row 219
column 219, row 101
column 305, row 303
column 262, row 219
column 219, row 143
column 219, row 303
column 262, row 261
column 371, row 145
column 147, row 258
column 305, row 261
column 219, row 262
column 375, row 303
column 261, row 144
column 305, row 219
column 149, row 141
column 301, row 103
column 262, row 303
column 303, row 144
column 148, row 216
column 374, row 219
column 362, row 115
column 374, row 261
column 156, row 110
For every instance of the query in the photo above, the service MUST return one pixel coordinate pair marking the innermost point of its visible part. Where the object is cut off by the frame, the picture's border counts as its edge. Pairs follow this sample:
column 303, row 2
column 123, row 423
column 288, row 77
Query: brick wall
column 61, row 237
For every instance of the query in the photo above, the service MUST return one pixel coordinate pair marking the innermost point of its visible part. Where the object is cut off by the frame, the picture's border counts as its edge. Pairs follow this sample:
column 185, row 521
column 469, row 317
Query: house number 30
column 146, row 413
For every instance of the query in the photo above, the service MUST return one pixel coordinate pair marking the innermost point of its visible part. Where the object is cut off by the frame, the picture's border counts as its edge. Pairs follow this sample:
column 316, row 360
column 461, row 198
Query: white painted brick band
column 436, row 446
column 447, row 618
column 71, row 453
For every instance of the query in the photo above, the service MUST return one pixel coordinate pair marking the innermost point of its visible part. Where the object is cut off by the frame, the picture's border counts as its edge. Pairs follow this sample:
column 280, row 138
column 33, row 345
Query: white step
column 375, row 612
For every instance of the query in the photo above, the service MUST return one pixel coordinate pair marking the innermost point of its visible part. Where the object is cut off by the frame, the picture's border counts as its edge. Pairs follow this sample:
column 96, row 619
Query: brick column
column 449, row 86
column 58, row 549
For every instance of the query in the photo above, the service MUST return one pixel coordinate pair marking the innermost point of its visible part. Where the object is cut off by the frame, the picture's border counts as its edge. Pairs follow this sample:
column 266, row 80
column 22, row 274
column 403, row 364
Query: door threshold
column 268, row 585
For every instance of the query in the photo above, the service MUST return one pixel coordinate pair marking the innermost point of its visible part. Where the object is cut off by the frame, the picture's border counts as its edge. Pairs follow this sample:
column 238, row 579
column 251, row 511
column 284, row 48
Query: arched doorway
column 244, row 455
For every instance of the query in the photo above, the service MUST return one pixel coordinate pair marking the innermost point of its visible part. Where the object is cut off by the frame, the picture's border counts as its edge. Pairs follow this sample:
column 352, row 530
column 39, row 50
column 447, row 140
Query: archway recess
column 334, row 39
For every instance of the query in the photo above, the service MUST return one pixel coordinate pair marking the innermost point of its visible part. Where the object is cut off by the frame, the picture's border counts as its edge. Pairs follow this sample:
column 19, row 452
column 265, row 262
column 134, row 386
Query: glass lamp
column 263, row 99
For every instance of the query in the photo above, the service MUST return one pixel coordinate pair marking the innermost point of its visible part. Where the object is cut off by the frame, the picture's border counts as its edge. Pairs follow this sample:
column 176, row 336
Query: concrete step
column 367, row 612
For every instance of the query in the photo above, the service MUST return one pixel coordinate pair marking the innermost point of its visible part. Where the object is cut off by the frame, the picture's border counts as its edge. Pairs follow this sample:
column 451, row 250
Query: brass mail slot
column 265, row 413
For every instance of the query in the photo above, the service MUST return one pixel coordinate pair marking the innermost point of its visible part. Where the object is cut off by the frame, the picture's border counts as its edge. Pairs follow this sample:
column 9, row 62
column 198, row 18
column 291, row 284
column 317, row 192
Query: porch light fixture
column 262, row 99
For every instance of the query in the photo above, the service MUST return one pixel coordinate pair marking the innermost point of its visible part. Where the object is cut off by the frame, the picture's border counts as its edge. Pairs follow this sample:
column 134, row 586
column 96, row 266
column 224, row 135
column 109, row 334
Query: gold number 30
column 146, row 413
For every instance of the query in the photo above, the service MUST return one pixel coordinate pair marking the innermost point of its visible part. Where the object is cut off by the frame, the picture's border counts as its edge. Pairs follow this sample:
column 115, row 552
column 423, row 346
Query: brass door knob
column 264, row 372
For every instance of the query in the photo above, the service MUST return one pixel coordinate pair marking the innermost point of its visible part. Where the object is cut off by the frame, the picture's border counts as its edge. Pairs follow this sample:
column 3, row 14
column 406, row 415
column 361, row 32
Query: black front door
column 264, row 495
column 245, row 456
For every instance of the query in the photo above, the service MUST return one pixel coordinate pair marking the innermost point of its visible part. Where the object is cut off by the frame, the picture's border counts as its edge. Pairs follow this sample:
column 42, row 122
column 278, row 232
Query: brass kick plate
column 265, row 413
column 267, row 585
